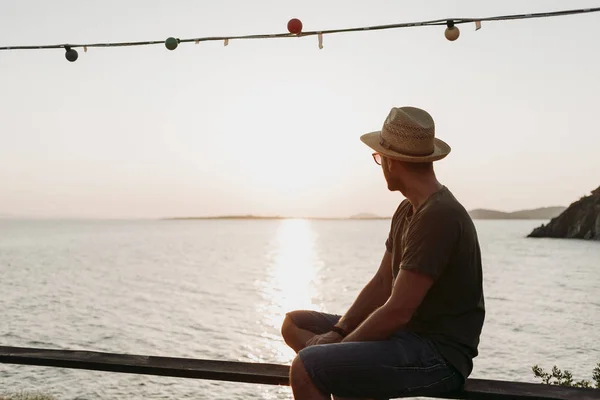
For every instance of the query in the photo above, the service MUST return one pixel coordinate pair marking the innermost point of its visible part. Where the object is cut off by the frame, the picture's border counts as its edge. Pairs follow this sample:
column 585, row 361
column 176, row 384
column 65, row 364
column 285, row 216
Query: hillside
column 367, row 216
column 580, row 221
column 225, row 217
column 537, row 213
column 355, row 216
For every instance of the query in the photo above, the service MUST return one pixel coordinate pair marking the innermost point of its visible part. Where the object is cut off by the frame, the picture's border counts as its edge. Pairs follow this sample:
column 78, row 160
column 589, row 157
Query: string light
column 295, row 30
column 452, row 32
column 171, row 43
column 294, row 26
column 71, row 54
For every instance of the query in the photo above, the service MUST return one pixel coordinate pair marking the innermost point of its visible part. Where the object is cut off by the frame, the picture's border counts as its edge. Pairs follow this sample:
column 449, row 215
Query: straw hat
column 408, row 134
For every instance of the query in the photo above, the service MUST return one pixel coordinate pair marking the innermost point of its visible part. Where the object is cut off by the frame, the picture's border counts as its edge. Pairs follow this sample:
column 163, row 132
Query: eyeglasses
column 377, row 158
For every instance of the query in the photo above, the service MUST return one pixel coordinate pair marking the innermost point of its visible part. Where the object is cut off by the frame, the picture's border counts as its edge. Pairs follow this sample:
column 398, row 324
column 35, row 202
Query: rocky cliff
column 581, row 220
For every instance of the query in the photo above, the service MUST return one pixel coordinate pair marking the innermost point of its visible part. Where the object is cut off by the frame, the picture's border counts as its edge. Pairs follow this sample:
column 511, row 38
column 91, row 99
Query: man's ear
column 391, row 164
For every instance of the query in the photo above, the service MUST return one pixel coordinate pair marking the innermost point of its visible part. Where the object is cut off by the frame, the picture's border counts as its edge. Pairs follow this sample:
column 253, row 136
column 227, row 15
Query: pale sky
column 271, row 127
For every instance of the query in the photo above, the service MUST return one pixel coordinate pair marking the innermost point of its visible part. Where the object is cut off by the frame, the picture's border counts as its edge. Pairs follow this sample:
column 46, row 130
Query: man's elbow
column 398, row 315
column 381, row 286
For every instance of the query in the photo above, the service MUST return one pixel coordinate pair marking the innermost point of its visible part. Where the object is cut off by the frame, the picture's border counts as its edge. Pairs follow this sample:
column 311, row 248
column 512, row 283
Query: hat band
column 388, row 146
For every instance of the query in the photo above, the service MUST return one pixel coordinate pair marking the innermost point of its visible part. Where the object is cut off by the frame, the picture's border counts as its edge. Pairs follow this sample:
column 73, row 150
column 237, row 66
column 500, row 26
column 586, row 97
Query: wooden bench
column 269, row 374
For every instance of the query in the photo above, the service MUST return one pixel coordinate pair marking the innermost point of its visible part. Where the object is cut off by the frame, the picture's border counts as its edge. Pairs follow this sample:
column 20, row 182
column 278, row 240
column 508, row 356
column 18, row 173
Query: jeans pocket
column 435, row 352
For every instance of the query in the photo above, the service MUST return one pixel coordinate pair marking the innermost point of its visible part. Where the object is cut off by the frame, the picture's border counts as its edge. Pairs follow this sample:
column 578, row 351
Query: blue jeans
column 405, row 364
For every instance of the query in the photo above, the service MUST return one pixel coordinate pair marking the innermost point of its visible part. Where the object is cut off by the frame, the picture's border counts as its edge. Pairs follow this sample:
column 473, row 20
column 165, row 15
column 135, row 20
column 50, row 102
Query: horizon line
column 359, row 216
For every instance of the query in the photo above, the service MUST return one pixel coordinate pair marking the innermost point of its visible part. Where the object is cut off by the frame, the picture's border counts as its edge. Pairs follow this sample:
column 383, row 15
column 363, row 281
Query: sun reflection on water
column 291, row 283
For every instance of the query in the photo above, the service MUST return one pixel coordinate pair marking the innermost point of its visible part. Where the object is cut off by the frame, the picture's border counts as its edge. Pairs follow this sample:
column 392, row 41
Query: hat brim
column 440, row 149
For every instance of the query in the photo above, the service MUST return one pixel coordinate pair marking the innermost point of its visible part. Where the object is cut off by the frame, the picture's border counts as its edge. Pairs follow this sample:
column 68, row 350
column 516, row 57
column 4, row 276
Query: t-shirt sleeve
column 389, row 241
column 431, row 241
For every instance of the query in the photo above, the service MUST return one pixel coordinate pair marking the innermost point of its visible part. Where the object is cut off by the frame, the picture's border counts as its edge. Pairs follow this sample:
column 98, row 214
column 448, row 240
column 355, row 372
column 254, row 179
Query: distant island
column 536, row 213
column 480, row 213
column 367, row 216
column 226, row 217
column 362, row 216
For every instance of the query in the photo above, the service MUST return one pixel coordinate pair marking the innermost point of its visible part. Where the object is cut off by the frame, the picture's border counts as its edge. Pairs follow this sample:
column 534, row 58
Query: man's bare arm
column 409, row 291
column 372, row 296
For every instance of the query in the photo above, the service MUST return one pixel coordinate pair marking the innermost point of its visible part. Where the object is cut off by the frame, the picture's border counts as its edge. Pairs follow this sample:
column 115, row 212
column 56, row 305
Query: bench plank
column 269, row 374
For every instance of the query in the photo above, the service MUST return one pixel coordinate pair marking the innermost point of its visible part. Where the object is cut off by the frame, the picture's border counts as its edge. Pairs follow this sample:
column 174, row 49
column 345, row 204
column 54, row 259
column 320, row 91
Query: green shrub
column 558, row 377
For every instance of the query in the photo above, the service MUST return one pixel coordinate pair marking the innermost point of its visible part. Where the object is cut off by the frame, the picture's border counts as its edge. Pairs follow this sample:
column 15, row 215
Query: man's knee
column 298, row 376
column 292, row 335
column 287, row 327
column 300, row 380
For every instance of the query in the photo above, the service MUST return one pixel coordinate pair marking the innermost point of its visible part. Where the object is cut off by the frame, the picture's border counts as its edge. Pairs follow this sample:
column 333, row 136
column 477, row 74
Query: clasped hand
column 325, row 338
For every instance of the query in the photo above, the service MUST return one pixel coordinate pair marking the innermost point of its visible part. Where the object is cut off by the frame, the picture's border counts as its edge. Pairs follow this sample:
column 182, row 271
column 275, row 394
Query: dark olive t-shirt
column 440, row 240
